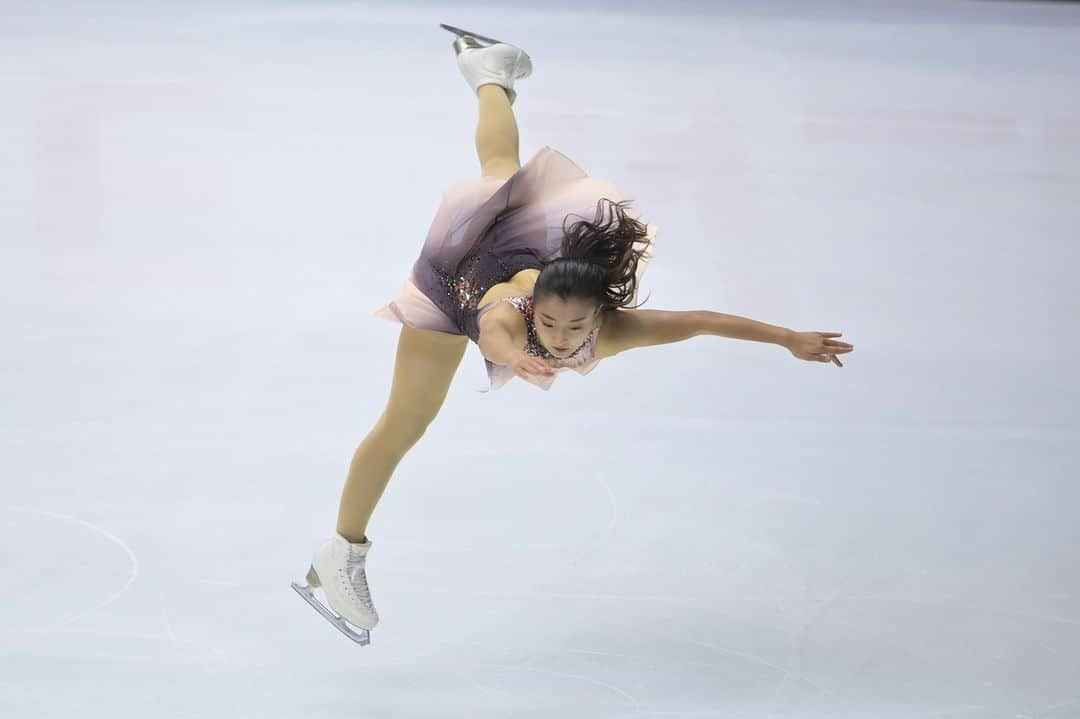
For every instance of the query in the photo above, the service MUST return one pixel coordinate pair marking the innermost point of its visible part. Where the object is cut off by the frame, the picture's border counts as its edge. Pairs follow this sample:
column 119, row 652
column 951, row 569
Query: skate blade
column 362, row 637
column 460, row 33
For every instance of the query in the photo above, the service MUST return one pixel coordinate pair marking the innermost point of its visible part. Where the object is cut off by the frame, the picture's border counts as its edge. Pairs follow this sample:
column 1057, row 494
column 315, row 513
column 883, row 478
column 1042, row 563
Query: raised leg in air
column 496, row 133
column 491, row 67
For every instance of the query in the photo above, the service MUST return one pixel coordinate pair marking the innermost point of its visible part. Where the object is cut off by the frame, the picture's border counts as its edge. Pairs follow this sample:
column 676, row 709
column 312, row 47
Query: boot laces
column 357, row 578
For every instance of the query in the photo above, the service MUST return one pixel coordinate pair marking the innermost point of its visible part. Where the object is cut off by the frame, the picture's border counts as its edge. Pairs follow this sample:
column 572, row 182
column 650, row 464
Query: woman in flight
column 503, row 266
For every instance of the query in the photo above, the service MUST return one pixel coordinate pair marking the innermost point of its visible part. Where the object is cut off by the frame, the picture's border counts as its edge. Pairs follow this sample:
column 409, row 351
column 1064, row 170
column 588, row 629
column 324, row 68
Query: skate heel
column 312, row 577
column 360, row 636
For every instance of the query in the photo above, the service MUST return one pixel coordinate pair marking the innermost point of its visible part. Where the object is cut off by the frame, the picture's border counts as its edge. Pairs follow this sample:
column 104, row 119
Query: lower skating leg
column 372, row 465
column 426, row 363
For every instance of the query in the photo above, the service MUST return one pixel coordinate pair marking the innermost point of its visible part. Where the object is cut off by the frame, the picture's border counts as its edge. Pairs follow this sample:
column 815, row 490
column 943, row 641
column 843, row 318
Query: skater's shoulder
column 503, row 312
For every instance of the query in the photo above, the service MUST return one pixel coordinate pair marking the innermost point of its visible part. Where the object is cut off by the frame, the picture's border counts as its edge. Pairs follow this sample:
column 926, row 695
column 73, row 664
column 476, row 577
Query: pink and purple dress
column 486, row 230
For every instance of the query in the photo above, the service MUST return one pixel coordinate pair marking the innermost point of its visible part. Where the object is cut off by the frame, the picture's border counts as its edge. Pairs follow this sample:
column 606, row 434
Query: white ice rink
column 202, row 203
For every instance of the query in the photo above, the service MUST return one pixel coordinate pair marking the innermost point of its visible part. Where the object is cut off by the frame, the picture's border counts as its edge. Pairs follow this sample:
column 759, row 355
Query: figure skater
column 501, row 267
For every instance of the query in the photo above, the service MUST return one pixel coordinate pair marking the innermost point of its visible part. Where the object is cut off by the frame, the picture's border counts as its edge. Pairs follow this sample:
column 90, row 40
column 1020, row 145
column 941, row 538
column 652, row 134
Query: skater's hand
column 525, row 364
column 816, row 347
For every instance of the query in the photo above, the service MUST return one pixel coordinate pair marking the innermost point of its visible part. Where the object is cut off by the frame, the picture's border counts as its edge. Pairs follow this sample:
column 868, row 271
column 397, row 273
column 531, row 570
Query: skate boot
column 339, row 568
column 487, row 61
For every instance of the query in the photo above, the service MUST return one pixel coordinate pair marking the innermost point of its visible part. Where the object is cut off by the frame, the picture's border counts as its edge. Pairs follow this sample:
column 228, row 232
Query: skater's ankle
column 352, row 539
column 491, row 87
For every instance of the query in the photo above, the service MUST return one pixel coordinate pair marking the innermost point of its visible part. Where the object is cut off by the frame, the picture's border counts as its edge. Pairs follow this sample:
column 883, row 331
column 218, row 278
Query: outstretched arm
column 642, row 328
column 743, row 328
column 628, row 329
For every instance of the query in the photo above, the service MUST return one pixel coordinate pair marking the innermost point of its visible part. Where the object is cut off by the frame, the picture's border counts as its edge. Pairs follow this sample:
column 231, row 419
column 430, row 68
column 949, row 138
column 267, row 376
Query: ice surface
column 203, row 202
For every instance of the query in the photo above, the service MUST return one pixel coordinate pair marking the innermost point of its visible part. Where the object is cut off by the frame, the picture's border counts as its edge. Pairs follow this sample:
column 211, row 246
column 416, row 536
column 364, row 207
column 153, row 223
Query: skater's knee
column 404, row 428
column 410, row 419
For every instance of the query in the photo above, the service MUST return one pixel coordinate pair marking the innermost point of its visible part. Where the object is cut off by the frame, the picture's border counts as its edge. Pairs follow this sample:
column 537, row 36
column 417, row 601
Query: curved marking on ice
column 108, row 535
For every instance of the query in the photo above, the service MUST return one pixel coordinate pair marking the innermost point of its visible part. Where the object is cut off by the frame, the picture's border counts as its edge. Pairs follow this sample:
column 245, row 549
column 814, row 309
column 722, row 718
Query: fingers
column 827, row 358
column 526, row 372
column 834, row 343
column 541, row 368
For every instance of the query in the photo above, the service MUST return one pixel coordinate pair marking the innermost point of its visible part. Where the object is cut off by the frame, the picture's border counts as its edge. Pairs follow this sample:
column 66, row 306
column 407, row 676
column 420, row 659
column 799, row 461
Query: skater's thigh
column 426, row 363
column 500, row 167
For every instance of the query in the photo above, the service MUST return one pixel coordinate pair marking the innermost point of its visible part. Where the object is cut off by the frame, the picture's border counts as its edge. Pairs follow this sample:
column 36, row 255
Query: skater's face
column 562, row 325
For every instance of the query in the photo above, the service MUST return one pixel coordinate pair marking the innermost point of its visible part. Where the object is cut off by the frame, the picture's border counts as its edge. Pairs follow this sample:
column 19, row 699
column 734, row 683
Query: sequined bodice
column 475, row 276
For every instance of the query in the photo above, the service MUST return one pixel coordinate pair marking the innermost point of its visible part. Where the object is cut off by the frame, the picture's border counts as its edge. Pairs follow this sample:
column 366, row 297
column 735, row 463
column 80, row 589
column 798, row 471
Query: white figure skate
column 486, row 61
column 339, row 568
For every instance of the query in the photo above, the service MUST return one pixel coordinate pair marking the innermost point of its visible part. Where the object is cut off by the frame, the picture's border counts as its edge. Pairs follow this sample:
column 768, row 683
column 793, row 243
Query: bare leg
column 426, row 363
column 496, row 133
column 372, row 465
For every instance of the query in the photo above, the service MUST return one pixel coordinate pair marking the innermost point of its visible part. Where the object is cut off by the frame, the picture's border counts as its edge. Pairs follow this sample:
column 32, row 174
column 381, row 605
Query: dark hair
column 598, row 262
